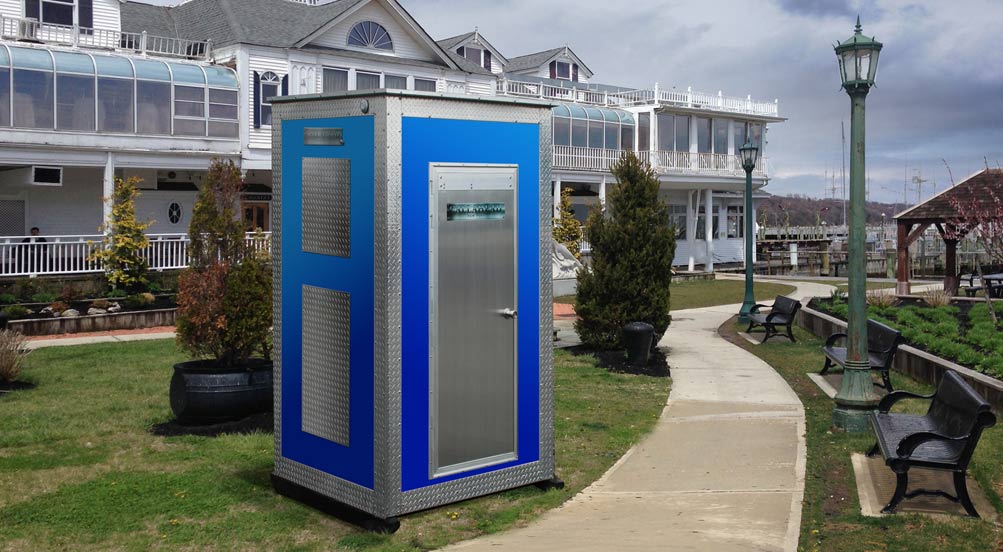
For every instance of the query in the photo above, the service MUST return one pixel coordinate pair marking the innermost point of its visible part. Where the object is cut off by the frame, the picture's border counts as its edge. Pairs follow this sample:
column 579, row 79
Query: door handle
column 509, row 313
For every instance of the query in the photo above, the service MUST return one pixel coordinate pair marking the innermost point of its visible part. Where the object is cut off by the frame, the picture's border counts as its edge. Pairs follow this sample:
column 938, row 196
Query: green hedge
column 971, row 340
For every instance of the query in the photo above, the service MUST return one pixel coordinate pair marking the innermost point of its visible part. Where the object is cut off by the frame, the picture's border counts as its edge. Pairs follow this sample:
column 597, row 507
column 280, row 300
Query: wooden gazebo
column 944, row 212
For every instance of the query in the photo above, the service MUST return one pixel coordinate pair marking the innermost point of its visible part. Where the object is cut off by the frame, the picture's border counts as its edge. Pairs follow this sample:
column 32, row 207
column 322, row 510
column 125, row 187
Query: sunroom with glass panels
column 593, row 127
column 84, row 92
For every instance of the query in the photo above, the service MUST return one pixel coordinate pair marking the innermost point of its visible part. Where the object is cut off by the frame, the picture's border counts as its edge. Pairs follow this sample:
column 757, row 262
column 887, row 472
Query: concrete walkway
column 117, row 336
column 722, row 470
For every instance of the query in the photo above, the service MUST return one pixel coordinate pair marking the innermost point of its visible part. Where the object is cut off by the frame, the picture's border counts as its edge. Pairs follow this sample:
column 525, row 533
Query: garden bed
column 913, row 361
column 130, row 320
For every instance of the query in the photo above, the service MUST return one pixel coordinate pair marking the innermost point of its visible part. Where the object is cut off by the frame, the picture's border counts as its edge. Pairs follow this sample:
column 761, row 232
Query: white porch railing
column 575, row 158
column 31, row 30
column 59, row 255
column 632, row 98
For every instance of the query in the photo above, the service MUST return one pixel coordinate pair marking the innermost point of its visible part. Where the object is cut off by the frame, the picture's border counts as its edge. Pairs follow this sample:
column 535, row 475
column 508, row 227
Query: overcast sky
column 939, row 91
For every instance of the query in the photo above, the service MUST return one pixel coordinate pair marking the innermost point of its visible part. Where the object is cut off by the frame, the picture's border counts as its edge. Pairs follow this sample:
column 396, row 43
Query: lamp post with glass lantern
column 858, row 63
column 750, row 154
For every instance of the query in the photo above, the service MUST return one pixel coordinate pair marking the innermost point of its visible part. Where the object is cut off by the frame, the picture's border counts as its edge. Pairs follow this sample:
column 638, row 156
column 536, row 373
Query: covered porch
column 697, row 243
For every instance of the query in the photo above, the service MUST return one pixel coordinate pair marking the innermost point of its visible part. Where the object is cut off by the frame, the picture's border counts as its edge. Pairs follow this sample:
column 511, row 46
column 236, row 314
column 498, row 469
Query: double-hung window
column 268, row 89
column 335, row 80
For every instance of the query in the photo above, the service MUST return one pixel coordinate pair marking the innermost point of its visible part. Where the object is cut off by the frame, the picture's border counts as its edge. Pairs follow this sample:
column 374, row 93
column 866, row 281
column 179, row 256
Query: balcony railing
column 633, row 98
column 31, row 30
column 57, row 255
column 664, row 162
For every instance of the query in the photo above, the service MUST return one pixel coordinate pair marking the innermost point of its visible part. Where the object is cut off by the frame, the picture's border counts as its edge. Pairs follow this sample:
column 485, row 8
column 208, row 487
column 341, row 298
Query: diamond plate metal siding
column 327, row 206
column 326, row 363
column 388, row 500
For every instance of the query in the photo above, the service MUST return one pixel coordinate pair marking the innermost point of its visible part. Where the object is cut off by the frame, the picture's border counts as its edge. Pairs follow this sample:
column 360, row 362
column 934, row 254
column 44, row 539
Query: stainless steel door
column 473, row 317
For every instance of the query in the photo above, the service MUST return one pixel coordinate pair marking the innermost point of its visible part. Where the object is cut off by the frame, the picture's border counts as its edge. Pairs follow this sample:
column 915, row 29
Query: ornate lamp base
column 856, row 399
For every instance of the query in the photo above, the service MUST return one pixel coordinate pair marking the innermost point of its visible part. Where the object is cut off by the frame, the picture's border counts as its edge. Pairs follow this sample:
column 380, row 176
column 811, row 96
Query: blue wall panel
column 354, row 275
column 454, row 141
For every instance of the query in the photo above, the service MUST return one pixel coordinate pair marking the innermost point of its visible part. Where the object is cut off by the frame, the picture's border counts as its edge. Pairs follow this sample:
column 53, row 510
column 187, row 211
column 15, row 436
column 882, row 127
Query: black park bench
column 942, row 439
column 882, row 342
column 781, row 314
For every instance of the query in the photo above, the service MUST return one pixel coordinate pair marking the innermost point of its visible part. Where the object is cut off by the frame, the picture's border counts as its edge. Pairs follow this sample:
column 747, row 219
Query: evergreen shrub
column 633, row 244
column 121, row 250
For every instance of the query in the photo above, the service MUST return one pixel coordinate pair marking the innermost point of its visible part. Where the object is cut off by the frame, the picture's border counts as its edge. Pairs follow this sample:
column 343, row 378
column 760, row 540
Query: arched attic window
column 369, row 34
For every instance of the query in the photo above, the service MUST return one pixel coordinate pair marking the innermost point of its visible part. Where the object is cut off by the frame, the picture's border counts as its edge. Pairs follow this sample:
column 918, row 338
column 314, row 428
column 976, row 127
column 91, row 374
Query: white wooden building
column 91, row 89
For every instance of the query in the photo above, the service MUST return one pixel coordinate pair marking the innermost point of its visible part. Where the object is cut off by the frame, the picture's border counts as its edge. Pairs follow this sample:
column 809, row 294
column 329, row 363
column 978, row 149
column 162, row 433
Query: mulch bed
column 7, row 387
column 258, row 423
column 616, row 361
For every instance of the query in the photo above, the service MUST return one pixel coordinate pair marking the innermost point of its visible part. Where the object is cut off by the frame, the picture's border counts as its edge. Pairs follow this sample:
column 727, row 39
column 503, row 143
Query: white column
column 755, row 231
column 709, row 230
column 694, row 145
column 691, row 227
column 557, row 199
column 602, row 192
column 108, row 190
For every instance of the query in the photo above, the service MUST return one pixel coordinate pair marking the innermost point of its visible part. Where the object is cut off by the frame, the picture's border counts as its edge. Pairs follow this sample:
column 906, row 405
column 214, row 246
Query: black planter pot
column 204, row 394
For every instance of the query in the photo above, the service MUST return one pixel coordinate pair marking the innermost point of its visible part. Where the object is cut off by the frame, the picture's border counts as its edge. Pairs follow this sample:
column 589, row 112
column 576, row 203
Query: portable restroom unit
column 411, row 239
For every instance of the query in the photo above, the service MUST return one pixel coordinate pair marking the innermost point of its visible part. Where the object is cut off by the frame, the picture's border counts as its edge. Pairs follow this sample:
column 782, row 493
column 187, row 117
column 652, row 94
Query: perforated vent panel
column 326, row 348
column 327, row 206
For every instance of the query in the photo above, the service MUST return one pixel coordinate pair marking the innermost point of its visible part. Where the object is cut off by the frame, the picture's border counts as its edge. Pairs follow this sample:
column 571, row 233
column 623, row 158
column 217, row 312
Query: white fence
column 599, row 160
column 632, row 98
column 60, row 255
column 16, row 28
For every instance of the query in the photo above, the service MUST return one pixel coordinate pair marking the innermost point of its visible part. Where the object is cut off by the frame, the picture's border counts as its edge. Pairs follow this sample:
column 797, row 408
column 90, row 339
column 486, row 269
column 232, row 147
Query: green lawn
column 842, row 285
column 80, row 471
column 831, row 519
column 710, row 293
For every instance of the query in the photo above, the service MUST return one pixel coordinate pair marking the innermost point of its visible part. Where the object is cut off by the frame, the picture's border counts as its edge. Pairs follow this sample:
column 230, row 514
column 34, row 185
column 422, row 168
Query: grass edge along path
column 831, row 519
column 711, row 293
column 79, row 470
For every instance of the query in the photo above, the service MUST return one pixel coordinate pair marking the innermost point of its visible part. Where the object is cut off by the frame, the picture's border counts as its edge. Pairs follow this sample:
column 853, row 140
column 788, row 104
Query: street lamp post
column 858, row 63
column 750, row 154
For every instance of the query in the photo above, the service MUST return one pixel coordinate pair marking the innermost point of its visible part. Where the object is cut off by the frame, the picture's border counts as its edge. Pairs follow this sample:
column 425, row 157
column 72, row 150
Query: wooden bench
column 942, row 439
column 882, row 342
column 781, row 314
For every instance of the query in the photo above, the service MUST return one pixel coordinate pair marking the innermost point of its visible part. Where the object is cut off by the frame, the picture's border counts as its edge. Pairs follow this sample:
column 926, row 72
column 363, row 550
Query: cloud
column 817, row 8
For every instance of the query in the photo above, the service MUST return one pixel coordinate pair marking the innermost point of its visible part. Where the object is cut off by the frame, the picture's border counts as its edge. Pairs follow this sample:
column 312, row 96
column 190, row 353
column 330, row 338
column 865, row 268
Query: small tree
column 121, row 250
column 633, row 245
column 980, row 215
column 567, row 229
column 225, row 294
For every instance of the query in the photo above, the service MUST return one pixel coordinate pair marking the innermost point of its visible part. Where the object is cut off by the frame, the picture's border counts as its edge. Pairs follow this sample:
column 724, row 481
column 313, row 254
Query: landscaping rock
column 70, row 313
column 92, row 311
column 115, row 307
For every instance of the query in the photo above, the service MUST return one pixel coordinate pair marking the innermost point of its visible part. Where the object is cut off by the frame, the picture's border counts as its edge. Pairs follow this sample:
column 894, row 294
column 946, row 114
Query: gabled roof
column 274, row 23
column 533, row 61
column 971, row 191
column 473, row 37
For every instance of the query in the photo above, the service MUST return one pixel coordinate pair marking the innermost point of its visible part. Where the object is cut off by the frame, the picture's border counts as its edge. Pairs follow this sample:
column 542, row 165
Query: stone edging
column 95, row 323
column 911, row 361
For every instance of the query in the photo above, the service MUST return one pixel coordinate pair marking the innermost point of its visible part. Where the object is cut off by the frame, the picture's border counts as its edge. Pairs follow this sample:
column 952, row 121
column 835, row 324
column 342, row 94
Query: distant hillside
column 805, row 211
